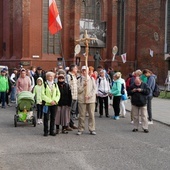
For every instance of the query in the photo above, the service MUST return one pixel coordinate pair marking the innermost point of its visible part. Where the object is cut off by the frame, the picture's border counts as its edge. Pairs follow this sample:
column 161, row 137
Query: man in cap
column 39, row 73
column 86, row 101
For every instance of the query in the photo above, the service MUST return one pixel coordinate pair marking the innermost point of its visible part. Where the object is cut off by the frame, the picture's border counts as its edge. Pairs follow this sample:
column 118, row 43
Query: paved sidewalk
column 160, row 110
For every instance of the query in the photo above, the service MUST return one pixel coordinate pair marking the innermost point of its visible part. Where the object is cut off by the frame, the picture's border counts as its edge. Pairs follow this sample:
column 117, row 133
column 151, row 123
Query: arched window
column 91, row 21
column 91, row 9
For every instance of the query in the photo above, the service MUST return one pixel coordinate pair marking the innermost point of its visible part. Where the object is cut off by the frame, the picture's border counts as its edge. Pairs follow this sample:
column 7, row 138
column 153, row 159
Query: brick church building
column 136, row 27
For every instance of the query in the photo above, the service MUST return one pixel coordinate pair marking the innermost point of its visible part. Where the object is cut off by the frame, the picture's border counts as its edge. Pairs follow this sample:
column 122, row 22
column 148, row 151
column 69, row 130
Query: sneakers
column 93, row 133
column 38, row 122
column 41, row 121
column 116, row 117
column 79, row 133
column 132, row 122
column 150, row 122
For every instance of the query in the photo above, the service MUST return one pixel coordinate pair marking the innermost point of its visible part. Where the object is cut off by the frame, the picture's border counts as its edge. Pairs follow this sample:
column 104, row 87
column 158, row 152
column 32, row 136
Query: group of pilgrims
column 63, row 95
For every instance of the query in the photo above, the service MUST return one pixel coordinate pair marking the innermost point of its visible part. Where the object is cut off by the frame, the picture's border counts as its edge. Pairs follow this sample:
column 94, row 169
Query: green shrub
column 164, row 95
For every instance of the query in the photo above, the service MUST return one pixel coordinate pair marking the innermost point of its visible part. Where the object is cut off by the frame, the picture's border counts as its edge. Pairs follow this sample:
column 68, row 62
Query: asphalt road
column 115, row 147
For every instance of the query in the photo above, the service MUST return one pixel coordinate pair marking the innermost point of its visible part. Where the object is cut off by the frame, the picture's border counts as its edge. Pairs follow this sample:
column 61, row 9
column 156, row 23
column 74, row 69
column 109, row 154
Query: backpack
column 156, row 91
column 122, row 89
column 128, row 80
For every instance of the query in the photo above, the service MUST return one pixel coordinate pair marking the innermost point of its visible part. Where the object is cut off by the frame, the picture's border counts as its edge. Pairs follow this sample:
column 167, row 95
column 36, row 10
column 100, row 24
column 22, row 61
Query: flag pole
column 62, row 55
column 54, row 25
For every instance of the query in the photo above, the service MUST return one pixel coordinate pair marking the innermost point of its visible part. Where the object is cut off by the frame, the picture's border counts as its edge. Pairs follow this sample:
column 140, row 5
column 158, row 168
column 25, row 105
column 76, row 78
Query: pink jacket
column 23, row 84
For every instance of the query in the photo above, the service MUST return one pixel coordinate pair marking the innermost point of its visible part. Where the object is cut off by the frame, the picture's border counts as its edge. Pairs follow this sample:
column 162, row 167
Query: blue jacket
column 151, row 83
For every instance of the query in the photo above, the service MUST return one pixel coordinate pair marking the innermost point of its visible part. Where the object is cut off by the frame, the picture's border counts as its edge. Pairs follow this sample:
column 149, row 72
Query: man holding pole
column 86, row 101
column 86, row 93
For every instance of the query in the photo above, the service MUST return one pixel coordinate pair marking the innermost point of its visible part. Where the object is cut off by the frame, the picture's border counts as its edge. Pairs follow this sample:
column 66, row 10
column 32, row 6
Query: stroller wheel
column 34, row 121
column 15, row 120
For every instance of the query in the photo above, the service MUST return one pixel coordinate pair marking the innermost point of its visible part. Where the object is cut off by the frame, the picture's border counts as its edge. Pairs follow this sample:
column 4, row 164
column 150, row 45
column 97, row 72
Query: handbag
column 45, row 109
column 124, row 97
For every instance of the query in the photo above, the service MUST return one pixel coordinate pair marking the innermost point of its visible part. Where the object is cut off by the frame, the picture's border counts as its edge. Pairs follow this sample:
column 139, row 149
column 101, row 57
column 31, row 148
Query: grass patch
column 164, row 96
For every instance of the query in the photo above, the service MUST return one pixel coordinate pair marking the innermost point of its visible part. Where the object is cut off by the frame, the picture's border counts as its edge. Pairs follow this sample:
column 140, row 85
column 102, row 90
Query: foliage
column 165, row 95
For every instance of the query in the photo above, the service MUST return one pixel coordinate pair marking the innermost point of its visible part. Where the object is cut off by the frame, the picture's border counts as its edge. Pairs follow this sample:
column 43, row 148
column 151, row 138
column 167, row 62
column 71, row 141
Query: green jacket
column 144, row 78
column 49, row 95
column 4, row 85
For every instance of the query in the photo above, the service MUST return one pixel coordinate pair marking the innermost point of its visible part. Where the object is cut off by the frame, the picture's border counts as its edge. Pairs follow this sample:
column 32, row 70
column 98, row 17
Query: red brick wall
column 151, row 20
column 1, row 28
column 22, row 33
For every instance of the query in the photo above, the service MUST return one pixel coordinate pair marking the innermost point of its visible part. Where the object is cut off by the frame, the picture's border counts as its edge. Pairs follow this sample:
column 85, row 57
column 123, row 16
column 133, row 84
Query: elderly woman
column 63, row 109
column 51, row 96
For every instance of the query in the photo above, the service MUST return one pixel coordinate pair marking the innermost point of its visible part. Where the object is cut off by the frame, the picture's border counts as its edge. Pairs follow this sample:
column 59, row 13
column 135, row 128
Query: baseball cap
column 3, row 71
column 67, row 68
column 83, row 67
column 102, row 71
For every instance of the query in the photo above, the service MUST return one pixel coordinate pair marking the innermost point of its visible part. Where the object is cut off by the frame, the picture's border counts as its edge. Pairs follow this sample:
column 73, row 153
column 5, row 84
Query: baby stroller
column 24, row 109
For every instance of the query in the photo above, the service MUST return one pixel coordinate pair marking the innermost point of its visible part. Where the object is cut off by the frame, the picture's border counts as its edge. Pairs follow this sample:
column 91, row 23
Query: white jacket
column 103, row 87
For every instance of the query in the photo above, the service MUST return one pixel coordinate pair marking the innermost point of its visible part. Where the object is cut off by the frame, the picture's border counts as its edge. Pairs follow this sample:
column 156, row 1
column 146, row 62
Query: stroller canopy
column 26, row 95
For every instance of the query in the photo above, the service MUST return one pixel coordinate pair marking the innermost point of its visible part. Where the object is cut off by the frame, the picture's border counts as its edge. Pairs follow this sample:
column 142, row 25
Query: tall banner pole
column 86, row 41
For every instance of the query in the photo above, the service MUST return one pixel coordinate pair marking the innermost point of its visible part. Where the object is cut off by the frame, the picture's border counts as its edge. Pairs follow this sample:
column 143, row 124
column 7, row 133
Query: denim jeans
column 3, row 98
column 13, row 93
column 149, row 107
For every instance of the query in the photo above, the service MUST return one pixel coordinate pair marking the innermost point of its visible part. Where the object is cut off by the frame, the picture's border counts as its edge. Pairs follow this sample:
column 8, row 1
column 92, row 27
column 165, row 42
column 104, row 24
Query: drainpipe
column 136, row 38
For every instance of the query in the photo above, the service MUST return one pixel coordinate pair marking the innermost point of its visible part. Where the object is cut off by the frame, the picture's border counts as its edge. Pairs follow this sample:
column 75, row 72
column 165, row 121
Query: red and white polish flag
column 123, row 58
column 54, row 22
